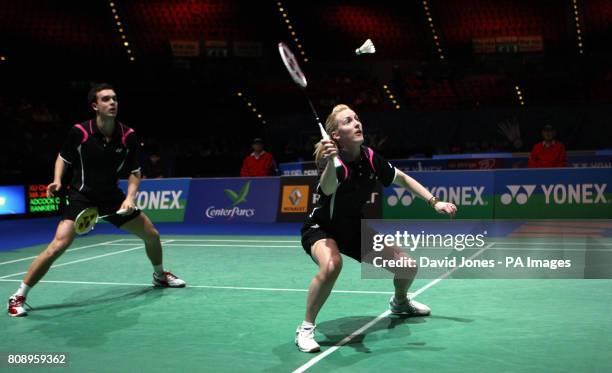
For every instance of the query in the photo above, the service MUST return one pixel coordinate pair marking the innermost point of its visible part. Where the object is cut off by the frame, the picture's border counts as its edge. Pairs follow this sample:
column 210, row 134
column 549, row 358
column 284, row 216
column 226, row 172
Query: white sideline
column 73, row 249
column 203, row 286
column 85, row 259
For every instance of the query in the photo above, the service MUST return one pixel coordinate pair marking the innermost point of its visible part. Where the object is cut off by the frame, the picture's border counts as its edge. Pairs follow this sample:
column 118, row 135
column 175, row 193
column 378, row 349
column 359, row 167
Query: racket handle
column 326, row 137
column 119, row 212
column 323, row 133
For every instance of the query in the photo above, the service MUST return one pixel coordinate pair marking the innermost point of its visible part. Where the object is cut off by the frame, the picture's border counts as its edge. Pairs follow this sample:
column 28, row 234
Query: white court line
column 74, row 249
column 548, row 249
column 449, row 249
column 83, row 260
column 205, row 287
column 224, row 240
column 527, row 242
column 219, row 245
column 548, row 243
column 367, row 326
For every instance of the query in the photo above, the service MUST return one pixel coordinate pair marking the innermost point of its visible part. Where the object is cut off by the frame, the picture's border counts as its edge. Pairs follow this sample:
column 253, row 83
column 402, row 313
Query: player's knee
column 152, row 235
column 58, row 246
column 333, row 267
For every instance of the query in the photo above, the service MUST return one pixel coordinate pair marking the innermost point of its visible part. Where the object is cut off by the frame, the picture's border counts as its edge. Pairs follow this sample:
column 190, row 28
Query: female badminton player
column 99, row 151
column 333, row 227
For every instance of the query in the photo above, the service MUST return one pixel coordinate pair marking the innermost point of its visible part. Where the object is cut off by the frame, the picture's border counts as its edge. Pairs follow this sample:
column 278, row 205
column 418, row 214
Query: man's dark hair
column 93, row 92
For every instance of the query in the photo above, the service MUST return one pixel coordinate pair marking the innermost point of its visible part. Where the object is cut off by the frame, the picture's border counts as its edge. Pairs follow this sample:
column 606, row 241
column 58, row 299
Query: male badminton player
column 333, row 227
column 99, row 151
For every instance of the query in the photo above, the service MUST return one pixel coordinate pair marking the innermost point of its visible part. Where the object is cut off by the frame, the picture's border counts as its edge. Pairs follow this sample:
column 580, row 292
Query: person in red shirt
column 259, row 162
column 548, row 153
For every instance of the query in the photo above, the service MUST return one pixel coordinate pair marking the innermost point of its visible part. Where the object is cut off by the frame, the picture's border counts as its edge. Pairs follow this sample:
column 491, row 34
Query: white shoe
column 304, row 339
column 409, row 307
column 167, row 280
column 16, row 306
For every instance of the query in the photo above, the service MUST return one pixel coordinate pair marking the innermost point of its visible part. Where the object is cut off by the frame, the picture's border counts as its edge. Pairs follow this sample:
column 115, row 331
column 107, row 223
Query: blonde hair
column 331, row 125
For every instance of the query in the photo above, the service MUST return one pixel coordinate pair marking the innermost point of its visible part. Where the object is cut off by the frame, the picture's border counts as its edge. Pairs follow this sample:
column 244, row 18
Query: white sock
column 307, row 325
column 159, row 269
column 23, row 290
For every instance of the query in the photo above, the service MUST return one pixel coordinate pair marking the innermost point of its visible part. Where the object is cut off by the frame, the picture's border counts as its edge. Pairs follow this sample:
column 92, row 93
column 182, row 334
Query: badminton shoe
column 304, row 339
column 167, row 280
column 16, row 306
column 409, row 307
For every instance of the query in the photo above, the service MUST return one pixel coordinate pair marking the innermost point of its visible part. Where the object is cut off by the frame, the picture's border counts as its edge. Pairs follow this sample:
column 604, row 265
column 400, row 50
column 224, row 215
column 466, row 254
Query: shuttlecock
column 367, row 47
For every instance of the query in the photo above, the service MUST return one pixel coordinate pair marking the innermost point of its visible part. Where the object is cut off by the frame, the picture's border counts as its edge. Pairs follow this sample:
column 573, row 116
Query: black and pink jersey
column 97, row 163
column 356, row 181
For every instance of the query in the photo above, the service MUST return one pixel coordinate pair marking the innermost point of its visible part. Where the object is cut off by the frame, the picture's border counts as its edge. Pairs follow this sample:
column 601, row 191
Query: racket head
column 292, row 65
column 86, row 220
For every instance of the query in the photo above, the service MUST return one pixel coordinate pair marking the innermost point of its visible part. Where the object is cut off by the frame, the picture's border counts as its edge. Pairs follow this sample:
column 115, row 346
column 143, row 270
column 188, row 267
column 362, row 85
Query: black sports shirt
column 356, row 181
column 98, row 164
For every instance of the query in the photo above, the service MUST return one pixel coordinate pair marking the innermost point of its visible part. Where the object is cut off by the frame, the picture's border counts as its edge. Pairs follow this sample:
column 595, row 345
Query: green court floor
column 246, row 295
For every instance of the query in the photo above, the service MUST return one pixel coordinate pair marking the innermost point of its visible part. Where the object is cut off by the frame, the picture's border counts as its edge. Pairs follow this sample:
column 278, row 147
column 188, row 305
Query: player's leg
column 142, row 227
column 403, row 277
column 326, row 254
column 64, row 235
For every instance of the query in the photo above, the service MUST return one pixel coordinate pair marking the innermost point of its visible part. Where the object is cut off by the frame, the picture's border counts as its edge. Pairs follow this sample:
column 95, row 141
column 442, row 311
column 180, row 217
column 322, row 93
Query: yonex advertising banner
column 233, row 200
column 163, row 200
column 552, row 194
column 471, row 191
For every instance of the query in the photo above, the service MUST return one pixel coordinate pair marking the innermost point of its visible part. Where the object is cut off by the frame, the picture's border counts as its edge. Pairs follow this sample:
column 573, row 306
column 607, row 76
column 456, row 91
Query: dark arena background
column 460, row 95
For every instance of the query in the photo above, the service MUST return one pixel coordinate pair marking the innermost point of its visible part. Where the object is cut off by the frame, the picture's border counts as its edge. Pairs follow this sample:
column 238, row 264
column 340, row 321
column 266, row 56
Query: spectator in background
column 549, row 152
column 259, row 162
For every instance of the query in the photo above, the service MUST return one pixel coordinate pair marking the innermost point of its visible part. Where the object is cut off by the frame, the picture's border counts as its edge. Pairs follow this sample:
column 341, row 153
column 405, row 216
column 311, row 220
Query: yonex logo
column 399, row 196
column 521, row 198
column 557, row 194
column 159, row 200
column 460, row 195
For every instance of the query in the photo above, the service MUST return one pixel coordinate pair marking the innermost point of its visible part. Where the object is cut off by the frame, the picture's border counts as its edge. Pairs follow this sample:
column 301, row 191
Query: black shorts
column 347, row 235
column 106, row 203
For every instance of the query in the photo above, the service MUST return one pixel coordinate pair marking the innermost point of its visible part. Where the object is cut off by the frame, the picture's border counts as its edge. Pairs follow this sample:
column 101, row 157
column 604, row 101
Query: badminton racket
column 87, row 219
column 300, row 79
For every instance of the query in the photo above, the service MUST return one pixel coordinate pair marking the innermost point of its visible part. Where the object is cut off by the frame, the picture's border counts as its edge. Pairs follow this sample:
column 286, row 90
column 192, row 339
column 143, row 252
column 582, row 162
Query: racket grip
column 122, row 212
column 326, row 137
column 324, row 134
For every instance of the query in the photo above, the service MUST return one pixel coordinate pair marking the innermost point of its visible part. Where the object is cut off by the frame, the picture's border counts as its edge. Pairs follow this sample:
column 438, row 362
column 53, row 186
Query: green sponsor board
column 163, row 200
column 542, row 206
column 169, row 215
column 554, row 193
column 471, row 203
